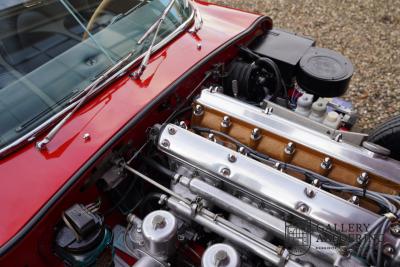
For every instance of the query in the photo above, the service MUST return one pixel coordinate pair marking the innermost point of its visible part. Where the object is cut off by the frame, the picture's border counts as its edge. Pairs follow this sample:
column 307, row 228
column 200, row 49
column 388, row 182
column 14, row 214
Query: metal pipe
column 158, row 185
column 225, row 231
column 237, row 206
column 252, row 214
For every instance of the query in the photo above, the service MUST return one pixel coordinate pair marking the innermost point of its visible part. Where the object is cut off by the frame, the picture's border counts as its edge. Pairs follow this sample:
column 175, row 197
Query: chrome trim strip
column 355, row 155
column 30, row 136
column 263, row 182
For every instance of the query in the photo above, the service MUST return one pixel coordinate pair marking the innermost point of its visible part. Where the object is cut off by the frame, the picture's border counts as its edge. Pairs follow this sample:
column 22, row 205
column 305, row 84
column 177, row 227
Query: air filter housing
column 324, row 72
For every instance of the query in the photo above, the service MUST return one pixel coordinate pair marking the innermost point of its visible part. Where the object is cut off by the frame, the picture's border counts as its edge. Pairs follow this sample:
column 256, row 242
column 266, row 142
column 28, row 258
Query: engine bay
column 259, row 167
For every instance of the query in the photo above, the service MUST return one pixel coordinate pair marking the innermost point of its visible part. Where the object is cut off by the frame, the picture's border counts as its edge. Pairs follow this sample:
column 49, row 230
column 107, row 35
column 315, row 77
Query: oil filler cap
column 324, row 72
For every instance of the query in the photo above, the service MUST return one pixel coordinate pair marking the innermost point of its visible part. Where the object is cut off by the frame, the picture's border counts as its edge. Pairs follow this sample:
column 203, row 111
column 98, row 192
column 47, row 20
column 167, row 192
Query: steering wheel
column 103, row 6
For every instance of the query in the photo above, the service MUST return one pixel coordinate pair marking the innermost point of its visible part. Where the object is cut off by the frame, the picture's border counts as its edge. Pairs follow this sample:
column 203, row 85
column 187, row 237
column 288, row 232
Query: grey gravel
column 366, row 31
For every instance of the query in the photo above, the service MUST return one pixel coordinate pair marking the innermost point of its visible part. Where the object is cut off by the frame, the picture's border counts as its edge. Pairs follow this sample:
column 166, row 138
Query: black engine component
column 247, row 80
column 254, row 81
column 83, row 239
column 324, row 72
column 285, row 48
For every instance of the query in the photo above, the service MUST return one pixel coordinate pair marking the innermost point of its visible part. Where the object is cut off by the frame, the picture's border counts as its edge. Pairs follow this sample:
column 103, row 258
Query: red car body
column 35, row 186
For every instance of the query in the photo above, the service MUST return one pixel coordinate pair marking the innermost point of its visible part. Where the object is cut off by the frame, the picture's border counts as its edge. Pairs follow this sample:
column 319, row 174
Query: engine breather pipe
column 227, row 232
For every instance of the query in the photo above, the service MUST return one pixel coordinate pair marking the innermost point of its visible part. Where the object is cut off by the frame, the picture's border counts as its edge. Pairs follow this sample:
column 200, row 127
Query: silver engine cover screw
column 242, row 150
column 316, row 183
column 303, row 208
column 171, row 131
column 165, row 143
column 211, row 137
column 363, row 178
column 255, row 134
column 290, row 148
column 355, row 200
column 232, row 158
column 183, row 125
column 309, row 192
column 225, row 172
column 326, row 164
column 198, row 110
column 226, row 122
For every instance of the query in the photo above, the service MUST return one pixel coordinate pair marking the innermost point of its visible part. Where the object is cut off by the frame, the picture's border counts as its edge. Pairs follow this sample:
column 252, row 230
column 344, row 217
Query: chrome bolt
column 316, row 183
column 339, row 137
column 199, row 46
column 226, row 122
column 86, row 137
column 171, row 131
column 198, row 110
column 211, row 137
column 388, row 250
column 303, row 208
column 268, row 110
column 242, row 150
column 309, row 192
column 355, row 200
column 363, row 179
column 290, row 148
column 395, row 229
column 183, row 125
column 221, row 258
column 278, row 166
column 326, row 164
column 165, row 143
column 255, row 134
column 225, row 172
column 232, row 158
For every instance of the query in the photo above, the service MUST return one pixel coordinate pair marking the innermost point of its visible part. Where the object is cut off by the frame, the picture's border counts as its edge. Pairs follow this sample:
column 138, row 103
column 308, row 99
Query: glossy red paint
column 29, row 178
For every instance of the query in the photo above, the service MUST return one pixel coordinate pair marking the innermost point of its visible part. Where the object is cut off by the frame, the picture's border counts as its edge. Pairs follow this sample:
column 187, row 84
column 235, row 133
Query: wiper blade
column 153, row 28
column 80, row 99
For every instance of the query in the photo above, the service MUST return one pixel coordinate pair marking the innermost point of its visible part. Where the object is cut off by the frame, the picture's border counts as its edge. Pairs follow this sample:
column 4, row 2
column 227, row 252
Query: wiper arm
column 198, row 20
column 84, row 95
column 153, row 28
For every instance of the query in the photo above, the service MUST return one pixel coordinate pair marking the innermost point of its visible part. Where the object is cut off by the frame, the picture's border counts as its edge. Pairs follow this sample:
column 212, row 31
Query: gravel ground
column 366, row 31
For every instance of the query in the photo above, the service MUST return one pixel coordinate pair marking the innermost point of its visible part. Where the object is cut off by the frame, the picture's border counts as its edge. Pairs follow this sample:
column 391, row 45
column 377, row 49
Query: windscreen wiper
column 153, row 28
column 156, row 27
column 80, row 100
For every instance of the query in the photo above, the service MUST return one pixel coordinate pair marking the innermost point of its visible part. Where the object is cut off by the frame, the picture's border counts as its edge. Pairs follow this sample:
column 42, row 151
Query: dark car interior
column 46, row 55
